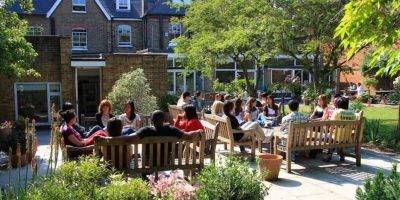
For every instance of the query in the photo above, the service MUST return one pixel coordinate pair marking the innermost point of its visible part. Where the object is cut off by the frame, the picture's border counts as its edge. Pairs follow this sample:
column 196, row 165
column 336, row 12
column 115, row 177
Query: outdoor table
column 383, row 94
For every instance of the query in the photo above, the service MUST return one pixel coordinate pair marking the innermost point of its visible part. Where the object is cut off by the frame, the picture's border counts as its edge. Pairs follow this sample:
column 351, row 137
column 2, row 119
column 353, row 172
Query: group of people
column 126, row 125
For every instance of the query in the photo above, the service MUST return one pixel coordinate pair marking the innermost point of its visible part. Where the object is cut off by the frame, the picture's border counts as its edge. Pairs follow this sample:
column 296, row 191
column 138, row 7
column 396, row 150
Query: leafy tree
column 374, row 24
column 218, row 30
column 307, row 35
column 133, row 86
column 17, row 54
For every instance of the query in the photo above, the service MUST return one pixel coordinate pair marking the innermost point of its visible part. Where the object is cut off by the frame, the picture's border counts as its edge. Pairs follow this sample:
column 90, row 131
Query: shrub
column 232, row 180
column 172, row 187
column 133, row 86
column 357, row 105
column 235, row 88
column 296, row 89
column 371, row 131
column 167, row 100
column 364, row 97
column 381, row 187
column 119, row 189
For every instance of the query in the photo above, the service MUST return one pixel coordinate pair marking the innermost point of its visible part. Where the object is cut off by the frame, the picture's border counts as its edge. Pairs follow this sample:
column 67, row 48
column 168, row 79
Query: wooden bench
column 152, row 154
column 211, row 137
column 225, row 134
column 321, row 135
column 174, row 111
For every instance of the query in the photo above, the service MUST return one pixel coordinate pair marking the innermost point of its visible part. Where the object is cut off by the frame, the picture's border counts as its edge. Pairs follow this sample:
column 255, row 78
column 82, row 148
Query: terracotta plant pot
column 270, row 164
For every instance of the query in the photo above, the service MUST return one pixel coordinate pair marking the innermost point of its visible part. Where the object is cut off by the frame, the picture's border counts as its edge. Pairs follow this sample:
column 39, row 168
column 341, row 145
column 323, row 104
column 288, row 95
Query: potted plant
column 270, row 165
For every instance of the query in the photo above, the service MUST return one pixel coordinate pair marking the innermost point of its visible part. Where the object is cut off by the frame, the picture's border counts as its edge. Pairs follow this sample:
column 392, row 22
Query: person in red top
column 189, row 121
column 72, row 137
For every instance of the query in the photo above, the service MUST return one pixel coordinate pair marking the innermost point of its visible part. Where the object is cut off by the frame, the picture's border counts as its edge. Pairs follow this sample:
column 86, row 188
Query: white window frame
column 118, row 6
column 129, row 29
column 49, row 94
column 72, row 39
column 34, row 31
column 78, row 4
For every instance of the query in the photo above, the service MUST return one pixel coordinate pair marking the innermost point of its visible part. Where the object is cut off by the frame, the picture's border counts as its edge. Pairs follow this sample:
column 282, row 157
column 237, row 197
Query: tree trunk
column 249, row 89
column 258, row 77
column 315, row 70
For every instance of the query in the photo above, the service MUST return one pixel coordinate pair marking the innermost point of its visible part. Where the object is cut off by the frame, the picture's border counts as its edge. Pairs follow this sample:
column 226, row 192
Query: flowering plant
column 172, row 187
column 5, row 124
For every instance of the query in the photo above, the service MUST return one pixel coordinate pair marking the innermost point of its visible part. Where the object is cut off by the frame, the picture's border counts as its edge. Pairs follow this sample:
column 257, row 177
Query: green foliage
column 295, row 88
column 243, row 30
column 370, row 82
column 236, row 88
column 133, row 86
column 372, row 23
column 119, row 189
column 357, row 105
column 232, row 180
column 310, row 93
column 17, row 54
column 364, row 97
column 169, row 99
column 381, row 187
column 372, row 132
column 86, row 179
column 395, row 96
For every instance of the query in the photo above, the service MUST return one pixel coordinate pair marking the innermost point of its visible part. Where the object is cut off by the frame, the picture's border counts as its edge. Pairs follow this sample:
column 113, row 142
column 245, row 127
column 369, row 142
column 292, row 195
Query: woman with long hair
column 217, row 108
column 130, row 120
column 238, row 111
column 71, row 136
column 103, row 114
column 189, row 120
column 184, row 99
column 251, row 112
column 320, row 112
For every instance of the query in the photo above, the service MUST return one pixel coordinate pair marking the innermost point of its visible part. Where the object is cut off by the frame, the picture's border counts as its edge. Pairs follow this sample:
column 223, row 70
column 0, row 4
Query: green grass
column 387, row 116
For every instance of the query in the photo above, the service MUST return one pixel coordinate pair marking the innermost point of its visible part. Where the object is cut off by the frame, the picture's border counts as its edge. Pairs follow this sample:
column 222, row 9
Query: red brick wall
column 154, row 66
column 47, row 63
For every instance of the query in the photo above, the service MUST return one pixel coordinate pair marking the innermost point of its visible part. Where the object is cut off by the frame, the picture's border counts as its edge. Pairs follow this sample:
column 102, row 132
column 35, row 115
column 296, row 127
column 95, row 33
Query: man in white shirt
column 360, row 90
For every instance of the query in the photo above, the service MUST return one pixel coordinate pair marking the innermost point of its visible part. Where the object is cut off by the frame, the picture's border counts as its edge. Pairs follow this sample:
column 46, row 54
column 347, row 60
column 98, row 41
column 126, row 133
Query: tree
column 374, row 24
column 218, row 30
column 307, row 35
column 17, row 54
column 133, row 86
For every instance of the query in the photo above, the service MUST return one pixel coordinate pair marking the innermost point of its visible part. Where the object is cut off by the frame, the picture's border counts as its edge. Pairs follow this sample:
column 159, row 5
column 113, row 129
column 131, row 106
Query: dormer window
column 123, row 4
column 79, row 6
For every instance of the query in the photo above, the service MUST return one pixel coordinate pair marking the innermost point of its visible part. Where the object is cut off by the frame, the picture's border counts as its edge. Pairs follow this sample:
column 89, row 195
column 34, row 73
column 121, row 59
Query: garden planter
column 270, row 164
column 4, row 133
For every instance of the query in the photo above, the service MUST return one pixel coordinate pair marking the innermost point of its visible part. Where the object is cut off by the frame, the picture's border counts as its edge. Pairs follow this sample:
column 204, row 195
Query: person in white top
column 184, row 99
column 130, row 120
column 360, row 90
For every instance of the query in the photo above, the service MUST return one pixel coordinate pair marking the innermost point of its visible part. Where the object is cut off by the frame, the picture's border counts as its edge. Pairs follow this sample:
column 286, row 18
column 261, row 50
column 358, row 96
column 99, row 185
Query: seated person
column 296, row 117
column 184, row 99
column 251, row 112
column 160, row 130
column 198, row 102
column 71, row 136
column 189, row 120
column 130, row 120
column 238, row 111
column 343, row 112
column 320, row 112
column 104, row 113
column 228, row 109
column 114, row 127
column 293, row 116
column 217, row 108
column 270, row 111
column 67, row 106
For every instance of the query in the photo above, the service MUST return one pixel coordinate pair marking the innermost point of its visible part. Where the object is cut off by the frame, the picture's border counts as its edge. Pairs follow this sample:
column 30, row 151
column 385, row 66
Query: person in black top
column 228, row 109
column 104, row 113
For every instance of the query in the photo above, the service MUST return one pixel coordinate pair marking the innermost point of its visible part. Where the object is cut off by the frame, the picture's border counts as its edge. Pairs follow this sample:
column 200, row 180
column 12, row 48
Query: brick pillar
column 67, row 72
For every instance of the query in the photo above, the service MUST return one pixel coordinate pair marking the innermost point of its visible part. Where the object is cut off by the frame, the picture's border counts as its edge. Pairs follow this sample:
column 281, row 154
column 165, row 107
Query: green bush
column 232, row 180
column 296, row 89
column 364, row 97
column 235, row 88
column 357, row 105
column 133, row 86
column 81, row 180
column 371, row 131
column 381, row 187
column 167, row 100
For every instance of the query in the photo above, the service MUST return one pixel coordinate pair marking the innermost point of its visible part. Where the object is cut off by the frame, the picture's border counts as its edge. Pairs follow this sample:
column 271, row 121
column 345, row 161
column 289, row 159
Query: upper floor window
column 124, row 35
column 123, row 4
column 78, row 5
column 175, row 28
column 79, row 39
column 34, row 31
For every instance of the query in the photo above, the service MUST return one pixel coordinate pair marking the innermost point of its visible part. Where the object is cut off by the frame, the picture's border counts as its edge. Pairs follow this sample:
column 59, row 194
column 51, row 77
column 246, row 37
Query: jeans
column 89, row 133
column 127, row 131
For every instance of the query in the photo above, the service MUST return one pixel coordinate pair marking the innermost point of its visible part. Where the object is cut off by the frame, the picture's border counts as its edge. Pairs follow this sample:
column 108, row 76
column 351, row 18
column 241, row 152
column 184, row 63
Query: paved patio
column 310, row 178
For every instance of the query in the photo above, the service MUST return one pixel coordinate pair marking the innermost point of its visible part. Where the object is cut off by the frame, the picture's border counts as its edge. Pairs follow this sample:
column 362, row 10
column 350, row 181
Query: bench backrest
column 152, row 154
column 211, row 137
column 324, row 134
column 175, row 110
column 225, row 133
